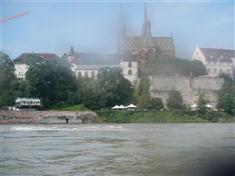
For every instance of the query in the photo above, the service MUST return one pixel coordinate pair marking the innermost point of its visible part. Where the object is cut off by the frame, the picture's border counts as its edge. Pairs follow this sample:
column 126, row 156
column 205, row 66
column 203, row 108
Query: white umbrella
column 194, row 106
column 131, row 106
column 209, row 106
column 116, row 107
column 122, row 107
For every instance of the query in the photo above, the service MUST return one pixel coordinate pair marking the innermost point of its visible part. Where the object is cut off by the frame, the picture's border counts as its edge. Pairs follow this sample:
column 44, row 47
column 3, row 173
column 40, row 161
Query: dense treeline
column 53, row 81
column 176, row 66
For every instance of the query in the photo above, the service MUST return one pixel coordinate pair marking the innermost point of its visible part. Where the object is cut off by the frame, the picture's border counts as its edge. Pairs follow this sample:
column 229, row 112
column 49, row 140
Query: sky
column 54, row 26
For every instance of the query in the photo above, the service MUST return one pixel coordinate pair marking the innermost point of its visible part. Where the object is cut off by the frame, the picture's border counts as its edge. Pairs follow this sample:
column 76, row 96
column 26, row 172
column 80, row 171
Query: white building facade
column 21, row 62
column 89, row 64
column 217, row 61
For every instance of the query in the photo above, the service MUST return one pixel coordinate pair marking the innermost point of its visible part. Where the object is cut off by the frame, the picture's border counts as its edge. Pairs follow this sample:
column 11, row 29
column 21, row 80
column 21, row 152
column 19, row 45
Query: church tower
column 146, row 25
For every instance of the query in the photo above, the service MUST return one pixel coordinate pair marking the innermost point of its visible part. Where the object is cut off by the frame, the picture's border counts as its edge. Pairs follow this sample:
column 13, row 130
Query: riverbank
column 162, row 117
column 47, row 117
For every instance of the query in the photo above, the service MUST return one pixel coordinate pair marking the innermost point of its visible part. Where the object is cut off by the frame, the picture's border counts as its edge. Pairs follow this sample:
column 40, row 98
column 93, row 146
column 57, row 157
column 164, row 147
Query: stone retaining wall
column 47, row 117
column 160, row 86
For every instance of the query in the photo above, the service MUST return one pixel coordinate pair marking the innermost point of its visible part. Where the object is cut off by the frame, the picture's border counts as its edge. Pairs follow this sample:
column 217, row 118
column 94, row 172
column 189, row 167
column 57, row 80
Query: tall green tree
column 7, row 77
column 174, row 100
column 226, row 96
column 153, row 104
column 51, row 81
column 114, row 88
column 202, row 102
column 7, row 74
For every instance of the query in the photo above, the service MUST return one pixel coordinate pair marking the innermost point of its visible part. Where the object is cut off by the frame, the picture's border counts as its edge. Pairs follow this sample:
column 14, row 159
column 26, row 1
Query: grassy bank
column 161, row 117
column 68, row 108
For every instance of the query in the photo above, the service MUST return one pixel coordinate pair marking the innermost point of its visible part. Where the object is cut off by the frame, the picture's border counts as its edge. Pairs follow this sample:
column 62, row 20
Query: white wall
column 130, row 70
column 20, row 70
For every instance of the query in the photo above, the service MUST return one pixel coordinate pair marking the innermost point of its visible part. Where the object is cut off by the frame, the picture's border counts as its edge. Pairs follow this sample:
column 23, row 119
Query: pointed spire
column 123, row 30
column 147, row 24
column 172, row 36
column 71, row 51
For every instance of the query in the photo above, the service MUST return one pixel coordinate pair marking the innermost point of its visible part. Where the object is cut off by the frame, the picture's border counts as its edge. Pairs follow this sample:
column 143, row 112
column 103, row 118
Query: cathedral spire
column 146, row 25
column 123, row 30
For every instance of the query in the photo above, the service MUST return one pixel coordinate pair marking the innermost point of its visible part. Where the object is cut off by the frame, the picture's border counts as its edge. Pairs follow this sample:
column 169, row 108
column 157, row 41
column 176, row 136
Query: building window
column 79, row 74
column 129, row 64
column 130, row 72
column 220, row 71
column 215, row 71
column 228, row 71
column 92, row 74
column 208, row 70
column 86, row 73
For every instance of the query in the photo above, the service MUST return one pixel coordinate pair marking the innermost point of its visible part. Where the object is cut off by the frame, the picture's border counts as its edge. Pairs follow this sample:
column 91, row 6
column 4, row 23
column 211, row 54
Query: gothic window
column 86, row 73
column 228, row 71
column 208, row 70
column 129, row 72
column 129, row 64
column 92, row 74
column 79, row 74
column 215, row 70
column 220, row 70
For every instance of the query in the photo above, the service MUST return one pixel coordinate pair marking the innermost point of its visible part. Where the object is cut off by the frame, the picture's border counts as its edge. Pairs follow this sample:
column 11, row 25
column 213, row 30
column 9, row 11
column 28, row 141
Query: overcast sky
column 93, row 26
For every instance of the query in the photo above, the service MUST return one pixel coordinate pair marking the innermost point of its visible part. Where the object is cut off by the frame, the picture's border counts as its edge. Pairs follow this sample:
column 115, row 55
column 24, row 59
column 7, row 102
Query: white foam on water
column 87, row 128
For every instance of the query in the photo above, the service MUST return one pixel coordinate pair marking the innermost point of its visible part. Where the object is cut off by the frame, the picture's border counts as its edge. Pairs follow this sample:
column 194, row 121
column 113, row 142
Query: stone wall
column 160, row 86
column 48, row 117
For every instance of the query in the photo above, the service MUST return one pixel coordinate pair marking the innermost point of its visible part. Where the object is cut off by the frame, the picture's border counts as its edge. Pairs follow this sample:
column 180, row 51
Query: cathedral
column 129, row 58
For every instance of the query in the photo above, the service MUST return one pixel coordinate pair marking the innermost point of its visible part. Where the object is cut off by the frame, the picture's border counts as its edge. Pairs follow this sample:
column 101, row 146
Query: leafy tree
column 153, row 104
column 113, row 87
column 7, row 77
column 51, row 81
column 6, row 72
column 226, row 96
column 202, row 102
column 174, row 66
column 175, row 100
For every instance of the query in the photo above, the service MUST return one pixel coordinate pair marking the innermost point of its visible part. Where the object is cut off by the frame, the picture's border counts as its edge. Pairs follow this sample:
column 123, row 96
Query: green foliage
column 114, row 88
column 69, row 108
column 174, row 100
column 109, row 89
column 176, row 66
column 6, row 72
column 153, row 104
column 201, row 103
column 7, row 77
column 226, row 100
column 51, row 81
column 161, row 117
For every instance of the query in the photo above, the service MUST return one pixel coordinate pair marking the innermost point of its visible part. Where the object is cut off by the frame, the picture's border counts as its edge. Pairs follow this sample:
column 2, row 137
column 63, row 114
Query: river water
column 112, row 149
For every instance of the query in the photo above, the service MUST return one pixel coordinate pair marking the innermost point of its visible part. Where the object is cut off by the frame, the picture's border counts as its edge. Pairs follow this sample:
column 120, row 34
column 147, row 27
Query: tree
column 113, row 87
column 7, row 77
column 153, row 104
column 170, row 66
column 174, row 100
column 226, row 96
column 6, row 72
column 202, row 102
column 51, row 81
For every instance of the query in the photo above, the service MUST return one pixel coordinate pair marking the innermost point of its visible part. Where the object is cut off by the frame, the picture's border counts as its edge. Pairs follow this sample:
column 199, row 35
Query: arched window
column 129, row 64
column 86, row 73
column 215, row 70
column 130, row 72
column 92, row 74
column 79, row 74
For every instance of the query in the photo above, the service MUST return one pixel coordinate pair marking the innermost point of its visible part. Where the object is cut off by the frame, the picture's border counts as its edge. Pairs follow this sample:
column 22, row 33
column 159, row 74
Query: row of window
column 93, row 74
column 218, row 71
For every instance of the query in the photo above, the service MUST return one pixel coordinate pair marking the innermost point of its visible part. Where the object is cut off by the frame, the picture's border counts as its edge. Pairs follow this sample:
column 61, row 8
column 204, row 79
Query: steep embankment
column 15, row 117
